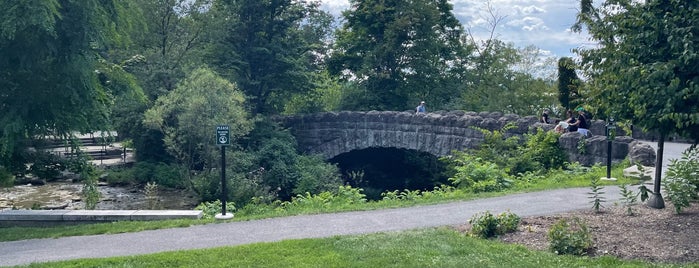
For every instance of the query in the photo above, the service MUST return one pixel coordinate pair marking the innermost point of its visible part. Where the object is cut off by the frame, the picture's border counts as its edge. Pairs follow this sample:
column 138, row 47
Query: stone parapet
column 439, row 133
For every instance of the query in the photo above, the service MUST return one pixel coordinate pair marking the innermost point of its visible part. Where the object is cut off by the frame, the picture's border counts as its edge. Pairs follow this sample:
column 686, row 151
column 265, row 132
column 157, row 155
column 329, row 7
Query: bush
column 118, row 176
column 167, row 175
column 6, row 178
column 47, row 166
column 210, row 209
column 478, row 175
column 486, row 225
column 570, row 237
column 682, row 180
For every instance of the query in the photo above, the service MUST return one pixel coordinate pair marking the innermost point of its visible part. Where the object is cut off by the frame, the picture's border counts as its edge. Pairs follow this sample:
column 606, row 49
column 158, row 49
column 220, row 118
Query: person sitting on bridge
column 420, row 108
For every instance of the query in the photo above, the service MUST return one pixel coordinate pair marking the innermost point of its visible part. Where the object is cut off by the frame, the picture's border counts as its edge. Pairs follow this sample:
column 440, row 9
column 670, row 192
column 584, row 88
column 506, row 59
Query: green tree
column 261, row 46
column 171, row 43
column 189, row 114
column 51, row 58
column 400, row 52
column 568, row 82
column 645, row 66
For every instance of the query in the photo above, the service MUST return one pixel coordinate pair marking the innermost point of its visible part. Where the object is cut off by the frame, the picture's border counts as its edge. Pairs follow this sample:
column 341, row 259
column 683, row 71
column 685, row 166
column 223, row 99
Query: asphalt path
column 297, row 227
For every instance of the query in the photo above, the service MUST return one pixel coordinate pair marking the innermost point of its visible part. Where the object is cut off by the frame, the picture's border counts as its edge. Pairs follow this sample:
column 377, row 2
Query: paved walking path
column 276, row 229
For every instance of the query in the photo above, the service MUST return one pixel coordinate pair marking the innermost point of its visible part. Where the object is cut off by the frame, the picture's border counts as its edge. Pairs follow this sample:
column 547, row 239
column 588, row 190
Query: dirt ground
column 655, row 235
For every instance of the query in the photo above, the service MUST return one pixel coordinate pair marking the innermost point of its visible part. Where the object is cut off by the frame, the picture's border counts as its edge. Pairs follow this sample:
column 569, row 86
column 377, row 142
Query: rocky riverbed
column 67, row 195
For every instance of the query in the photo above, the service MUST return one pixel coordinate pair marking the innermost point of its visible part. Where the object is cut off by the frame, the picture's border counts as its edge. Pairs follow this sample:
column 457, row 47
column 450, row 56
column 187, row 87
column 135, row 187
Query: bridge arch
column 333, row 133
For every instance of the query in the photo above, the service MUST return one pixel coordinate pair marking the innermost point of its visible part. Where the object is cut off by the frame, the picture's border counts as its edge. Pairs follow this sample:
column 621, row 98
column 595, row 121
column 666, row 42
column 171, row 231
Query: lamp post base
column 607, row 179
column 220, row 216
column 655, row 200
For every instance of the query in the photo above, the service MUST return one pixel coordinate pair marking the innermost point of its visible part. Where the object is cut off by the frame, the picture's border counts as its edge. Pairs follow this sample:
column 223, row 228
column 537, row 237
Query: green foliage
column 6, row 177
column 682, row 180
column 151, row 191
column 486, row 225
column 265, row 49
column 506, row 79
column 315, row 175
column 210, row 209
column 167, row 175
column 47, row 166
column 499, row 159
column 345, row 196
column 582, row 145
column 189, row 114
column 568, row 83
column 543, row 150
column 49, row 53
column 478, row 175
column 596, row 194
column 119, row 176
column 403, row 51
column 628, row 199
column 644, row 66
column 570, row 237
column 91, row 194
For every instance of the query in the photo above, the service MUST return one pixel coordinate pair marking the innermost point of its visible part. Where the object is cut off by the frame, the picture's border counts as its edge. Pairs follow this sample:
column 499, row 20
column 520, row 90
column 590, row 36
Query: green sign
column 223, row 135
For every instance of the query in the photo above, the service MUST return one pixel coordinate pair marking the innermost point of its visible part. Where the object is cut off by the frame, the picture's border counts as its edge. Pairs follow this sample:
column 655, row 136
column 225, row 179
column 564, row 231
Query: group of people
column 571, row 124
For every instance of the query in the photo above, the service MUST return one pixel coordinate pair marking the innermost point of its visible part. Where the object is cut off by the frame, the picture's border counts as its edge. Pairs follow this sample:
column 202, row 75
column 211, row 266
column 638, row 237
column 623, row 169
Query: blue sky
column 542, row 23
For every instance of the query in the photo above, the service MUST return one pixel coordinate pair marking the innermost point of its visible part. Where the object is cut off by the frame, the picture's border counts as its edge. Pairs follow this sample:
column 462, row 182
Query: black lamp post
column 610, row 133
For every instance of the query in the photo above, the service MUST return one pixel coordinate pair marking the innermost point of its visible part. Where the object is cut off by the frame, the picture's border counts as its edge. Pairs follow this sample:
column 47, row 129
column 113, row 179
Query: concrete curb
column 10, row 218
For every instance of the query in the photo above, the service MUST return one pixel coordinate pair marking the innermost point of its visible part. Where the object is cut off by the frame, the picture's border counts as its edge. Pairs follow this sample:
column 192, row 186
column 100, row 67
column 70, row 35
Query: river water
column 67, row 195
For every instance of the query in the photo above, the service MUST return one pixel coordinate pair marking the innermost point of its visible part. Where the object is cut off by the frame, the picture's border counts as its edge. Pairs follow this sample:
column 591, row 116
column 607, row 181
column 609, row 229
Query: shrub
column 486, row 225
column 210, row 209
column 6, row 178
column 596, row 194
column 167, row 175
column 47, row 166
column 543, row 148
column 478, row 175
column 118, row 176
column 570, row 237
column 628, row 199
column 682, row 180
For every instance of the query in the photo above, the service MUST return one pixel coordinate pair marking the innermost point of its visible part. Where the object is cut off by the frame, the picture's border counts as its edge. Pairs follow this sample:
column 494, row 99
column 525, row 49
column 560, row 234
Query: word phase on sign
column 223, row 135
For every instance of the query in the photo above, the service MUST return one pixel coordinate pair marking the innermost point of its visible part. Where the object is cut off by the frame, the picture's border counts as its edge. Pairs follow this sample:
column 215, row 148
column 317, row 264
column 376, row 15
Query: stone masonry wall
column 334, row 133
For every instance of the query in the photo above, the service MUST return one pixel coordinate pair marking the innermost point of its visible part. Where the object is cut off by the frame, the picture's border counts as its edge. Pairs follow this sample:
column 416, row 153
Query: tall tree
column 49, row 53
column 261, row 47
column 189, row 115
column 568, row 82
column 646, row 67
column 172, row 42
column 400, row 52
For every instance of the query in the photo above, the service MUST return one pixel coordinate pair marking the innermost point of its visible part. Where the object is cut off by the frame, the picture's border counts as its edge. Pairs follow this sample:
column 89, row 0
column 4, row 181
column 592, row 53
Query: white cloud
column 530, row 10
column 529, row 24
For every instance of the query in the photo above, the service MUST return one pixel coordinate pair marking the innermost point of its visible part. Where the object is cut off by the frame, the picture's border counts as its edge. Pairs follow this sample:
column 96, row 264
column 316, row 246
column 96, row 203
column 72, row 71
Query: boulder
column 642, row 154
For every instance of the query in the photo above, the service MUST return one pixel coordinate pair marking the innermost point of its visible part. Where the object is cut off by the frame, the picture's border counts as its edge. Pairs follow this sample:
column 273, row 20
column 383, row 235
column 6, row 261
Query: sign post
column 223, row 139
column 611, row 132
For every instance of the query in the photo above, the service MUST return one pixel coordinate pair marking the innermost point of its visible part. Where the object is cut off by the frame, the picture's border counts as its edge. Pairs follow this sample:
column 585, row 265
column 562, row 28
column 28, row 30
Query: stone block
column 32, row 215
column 147, row 215
column 634, row 172
column 98, row 215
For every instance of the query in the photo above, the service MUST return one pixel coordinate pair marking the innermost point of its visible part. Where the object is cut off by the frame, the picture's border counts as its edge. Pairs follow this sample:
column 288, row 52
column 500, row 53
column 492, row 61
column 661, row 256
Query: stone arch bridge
column 333, row 133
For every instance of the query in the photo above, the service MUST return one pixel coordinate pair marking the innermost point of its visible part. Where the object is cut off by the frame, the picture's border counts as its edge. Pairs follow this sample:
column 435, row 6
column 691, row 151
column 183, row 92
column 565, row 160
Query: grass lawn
column 436, row 247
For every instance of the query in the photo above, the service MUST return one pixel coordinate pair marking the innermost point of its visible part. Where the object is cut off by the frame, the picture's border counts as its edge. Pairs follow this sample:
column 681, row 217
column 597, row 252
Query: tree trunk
column 656, row 199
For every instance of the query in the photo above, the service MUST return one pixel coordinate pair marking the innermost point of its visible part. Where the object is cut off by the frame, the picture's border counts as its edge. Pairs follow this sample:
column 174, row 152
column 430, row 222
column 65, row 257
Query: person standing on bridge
column 420, row 108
